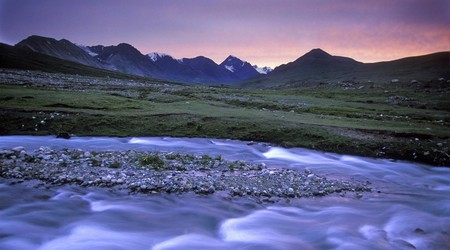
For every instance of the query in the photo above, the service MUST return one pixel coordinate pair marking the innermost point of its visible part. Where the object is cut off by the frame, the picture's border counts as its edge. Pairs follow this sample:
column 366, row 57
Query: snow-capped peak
column 154, row 56
column 232, row 63
column 263, row 70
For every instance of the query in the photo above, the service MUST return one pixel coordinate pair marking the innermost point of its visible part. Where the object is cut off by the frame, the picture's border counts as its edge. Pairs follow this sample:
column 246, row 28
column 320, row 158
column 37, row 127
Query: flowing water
column 409, row 208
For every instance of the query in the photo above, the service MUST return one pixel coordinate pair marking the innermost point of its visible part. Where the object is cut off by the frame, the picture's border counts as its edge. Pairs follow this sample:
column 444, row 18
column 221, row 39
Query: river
column 409, row 207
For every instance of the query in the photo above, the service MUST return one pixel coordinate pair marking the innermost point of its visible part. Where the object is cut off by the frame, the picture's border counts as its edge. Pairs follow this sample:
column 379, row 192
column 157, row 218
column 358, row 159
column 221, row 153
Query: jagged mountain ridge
column 195, row 70
column 127, row 59
column 25, row 59
column 315, row 66
column 62, row 49
column 173, row 69
column 209, row 69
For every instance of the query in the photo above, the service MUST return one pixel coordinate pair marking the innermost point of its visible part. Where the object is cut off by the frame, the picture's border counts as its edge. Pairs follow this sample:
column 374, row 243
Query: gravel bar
column 165, row 172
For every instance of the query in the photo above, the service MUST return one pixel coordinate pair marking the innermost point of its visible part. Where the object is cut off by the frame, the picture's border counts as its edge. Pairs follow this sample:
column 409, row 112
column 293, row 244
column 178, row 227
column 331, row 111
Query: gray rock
column 47, row 157
column 6, row 152
column 18, row 149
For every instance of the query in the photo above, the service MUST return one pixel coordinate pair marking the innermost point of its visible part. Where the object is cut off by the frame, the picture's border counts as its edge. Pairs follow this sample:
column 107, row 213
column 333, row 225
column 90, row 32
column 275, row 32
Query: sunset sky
column 263, row 32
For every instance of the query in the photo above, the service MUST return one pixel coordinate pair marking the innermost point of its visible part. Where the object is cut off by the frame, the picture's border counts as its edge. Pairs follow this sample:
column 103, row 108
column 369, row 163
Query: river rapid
column 409, row 207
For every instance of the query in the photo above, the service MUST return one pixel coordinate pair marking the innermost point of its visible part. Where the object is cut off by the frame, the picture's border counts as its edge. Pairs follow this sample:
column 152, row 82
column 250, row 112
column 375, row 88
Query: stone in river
column 63, row 135
column 18, row 149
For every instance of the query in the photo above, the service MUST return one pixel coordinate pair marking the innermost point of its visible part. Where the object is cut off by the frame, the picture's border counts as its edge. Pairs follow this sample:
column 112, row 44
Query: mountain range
column 318, row 66
column 127, row 59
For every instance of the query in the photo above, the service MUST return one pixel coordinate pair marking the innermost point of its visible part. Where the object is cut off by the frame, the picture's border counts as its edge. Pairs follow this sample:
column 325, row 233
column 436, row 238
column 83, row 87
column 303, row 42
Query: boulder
column 63, row 135
column 18, row 149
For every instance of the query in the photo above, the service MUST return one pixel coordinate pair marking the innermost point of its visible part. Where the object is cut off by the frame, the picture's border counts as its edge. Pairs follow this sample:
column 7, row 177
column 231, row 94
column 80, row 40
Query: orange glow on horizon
column 266, row 33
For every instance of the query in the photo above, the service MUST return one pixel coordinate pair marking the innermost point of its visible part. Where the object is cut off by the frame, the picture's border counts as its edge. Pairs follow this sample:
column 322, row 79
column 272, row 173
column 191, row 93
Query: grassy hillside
column 401, row 121
column 334, row 70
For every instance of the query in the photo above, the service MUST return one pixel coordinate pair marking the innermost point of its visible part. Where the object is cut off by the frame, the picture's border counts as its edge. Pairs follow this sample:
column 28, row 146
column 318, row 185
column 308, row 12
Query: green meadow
column 398, row 121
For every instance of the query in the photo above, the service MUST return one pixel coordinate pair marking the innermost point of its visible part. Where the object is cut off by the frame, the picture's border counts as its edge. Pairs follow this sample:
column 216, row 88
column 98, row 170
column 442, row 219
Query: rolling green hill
column 317, row 66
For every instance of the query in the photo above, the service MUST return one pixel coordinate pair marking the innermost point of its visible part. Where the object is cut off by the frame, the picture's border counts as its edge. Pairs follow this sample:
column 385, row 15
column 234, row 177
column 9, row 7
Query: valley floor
column 398, row 121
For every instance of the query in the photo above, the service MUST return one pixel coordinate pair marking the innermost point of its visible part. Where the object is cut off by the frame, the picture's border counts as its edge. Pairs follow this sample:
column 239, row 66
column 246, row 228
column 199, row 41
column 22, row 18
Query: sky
column 263, row 32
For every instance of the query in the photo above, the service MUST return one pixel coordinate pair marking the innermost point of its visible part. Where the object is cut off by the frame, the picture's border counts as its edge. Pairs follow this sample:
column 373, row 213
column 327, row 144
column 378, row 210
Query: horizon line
column 234, row 55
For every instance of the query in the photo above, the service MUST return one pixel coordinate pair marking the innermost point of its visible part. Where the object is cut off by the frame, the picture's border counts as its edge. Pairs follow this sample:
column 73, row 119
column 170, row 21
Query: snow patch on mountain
column 87, row 50
column 263, row 70
column 154, row 56
column 230, row 68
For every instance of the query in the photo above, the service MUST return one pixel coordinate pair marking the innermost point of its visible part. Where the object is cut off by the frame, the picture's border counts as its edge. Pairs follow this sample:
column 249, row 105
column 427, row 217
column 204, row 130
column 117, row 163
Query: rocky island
column 164, row 172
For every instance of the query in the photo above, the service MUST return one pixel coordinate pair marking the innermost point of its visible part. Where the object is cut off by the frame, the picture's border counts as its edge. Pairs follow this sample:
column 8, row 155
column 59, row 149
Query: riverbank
column 143, row 172
column 402, row 121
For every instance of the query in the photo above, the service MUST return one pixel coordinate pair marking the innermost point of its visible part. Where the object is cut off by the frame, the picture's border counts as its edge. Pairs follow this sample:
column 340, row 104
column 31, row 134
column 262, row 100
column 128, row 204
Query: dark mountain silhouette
column 315, row 66
column 173, row 69
column 62, row 49
column 25, row 59
column 208, row 71
column 316, row 62
column 319, row 66
column 192, row 70
column 127, row 59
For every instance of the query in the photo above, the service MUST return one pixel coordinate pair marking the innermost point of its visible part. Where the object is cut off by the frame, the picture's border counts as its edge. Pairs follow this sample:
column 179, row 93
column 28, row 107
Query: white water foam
column 97, row 237
column 190, row 241
column 263, row 227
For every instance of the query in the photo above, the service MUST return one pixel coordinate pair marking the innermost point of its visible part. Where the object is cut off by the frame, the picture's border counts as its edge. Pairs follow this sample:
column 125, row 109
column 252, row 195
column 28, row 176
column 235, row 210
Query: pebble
column 291, row 191
column 46, row 157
